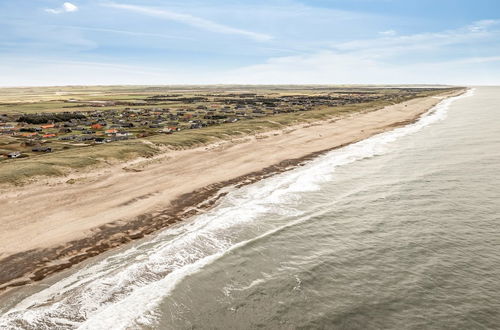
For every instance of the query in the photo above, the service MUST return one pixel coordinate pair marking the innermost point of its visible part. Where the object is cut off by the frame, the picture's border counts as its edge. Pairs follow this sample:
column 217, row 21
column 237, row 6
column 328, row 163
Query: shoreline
column 41, row 258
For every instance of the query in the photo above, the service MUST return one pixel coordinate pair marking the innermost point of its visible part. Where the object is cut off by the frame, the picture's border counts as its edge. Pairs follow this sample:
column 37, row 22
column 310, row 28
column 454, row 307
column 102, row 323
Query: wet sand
column 50, row 225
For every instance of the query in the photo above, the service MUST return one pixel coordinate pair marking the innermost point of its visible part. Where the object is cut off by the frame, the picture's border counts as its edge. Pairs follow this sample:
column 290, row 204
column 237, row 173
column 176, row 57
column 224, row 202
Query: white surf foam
column 124, row 290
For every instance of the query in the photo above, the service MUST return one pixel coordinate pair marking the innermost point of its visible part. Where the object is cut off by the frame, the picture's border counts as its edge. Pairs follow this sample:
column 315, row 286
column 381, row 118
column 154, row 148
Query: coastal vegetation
column 54, row 130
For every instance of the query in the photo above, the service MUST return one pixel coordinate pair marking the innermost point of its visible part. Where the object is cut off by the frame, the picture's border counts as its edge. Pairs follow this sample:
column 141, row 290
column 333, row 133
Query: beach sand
column 50, row 225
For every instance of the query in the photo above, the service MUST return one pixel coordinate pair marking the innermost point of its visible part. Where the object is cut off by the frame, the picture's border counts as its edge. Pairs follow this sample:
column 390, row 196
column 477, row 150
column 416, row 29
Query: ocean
column 399, row 231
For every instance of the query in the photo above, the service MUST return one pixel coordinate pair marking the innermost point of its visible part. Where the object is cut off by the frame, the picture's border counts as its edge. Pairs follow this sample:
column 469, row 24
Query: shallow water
column 400, row 231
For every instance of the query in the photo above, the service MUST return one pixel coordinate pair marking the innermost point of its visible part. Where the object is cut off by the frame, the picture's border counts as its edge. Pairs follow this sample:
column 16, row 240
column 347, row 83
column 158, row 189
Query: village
column 89, row 122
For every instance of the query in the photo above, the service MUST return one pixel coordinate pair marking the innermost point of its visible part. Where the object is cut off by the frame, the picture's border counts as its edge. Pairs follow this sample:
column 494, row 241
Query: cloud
column 395, row 59
column 328, row 67
column 394, row 45
column 388, row 33
column 27, row 71
column 187, row 19
column 383, row 60
column 482, row 25
column 125, row 32
column 322, row 68
column 66, row 7
column 475, row 60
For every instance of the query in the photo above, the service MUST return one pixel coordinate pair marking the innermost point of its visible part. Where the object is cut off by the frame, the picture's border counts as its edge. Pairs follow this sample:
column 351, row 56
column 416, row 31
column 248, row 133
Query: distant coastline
column 62, row 224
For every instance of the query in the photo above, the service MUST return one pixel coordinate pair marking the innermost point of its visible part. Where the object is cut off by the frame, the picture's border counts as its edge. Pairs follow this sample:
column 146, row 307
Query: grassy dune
column 21, row 171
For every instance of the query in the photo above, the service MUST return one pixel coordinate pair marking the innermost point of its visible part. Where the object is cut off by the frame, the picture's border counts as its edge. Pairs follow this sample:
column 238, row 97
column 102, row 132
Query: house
column 48, row 126
column 15, row 154
column 117, row 138
column 28, row 134
column 165, row 130
column 196, row 125
column 96, row 126
column 42, row 149
column 67, row 138
column 111, row 131
column 49, row 135
column 85, row 138
column 119, row 134
column 27, row 129
column 6, row 127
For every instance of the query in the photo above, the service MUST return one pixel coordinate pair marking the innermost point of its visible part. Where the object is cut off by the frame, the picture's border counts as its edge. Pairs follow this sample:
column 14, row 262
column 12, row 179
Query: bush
column 50, row 117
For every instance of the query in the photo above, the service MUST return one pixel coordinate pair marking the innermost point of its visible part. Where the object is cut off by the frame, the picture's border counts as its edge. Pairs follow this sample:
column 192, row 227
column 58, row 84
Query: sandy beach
column 50, row 225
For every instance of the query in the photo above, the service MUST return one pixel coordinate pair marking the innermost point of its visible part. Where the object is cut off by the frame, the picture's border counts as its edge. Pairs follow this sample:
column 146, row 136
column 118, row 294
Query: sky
column 151, row 42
